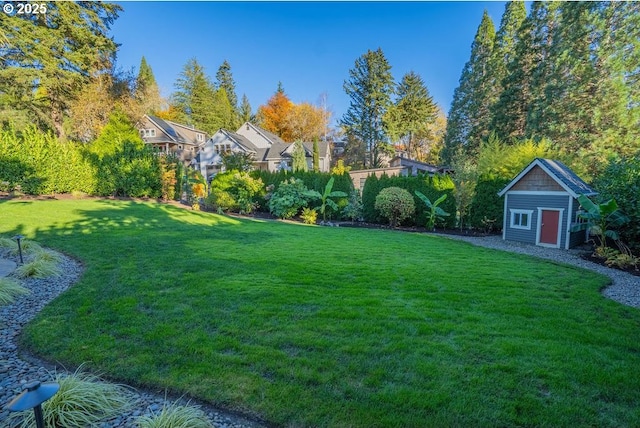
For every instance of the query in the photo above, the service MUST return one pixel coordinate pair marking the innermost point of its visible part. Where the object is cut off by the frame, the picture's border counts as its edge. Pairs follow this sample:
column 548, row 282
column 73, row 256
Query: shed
column 540, row 205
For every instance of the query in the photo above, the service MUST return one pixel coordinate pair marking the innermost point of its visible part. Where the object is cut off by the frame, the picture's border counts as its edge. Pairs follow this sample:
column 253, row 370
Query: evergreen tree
column 299, row 158
column 147, row 93
column 245, row 110
column 509, row 113
column 47, row 63
column 316, row 156
column 195, row 98
column 224, row 79
column 469, row 117
column 223, row 116
column 412, row 112
column 370, row 87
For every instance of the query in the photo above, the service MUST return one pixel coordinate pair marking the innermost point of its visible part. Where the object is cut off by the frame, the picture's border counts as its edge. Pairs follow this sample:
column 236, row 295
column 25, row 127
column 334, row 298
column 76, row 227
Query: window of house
column 200, row 137
column 521, row 219
column 148, row 132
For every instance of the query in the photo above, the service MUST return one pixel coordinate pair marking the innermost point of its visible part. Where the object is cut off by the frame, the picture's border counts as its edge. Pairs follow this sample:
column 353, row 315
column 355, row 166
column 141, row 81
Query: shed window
column 521, row 219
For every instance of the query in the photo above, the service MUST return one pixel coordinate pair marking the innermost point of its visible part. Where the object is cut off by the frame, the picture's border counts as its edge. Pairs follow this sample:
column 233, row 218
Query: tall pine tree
column 245, row 110
column 469, row 117
column 195, row 98
column 147, row 93
column 412, row 112
column 224, row 79
column 370, row 87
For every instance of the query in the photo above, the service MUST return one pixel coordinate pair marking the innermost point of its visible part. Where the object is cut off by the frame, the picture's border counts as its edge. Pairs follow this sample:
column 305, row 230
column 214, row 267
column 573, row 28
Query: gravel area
column 17, row 369
column 624, row 288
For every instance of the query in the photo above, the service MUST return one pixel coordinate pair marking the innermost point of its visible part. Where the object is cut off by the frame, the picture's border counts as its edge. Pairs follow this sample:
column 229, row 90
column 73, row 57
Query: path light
column 33, row 395
column 19, row 238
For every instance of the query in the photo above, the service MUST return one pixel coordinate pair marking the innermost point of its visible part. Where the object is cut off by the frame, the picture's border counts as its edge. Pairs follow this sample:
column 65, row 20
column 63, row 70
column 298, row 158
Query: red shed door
column 549, row 227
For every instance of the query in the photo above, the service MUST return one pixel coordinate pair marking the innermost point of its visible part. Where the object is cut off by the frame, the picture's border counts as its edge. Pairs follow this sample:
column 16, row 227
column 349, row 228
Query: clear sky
column 308, row 46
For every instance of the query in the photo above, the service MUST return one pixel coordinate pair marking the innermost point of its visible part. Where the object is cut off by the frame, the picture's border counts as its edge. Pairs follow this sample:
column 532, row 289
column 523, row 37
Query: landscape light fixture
column 19, row 238
column 32, row 397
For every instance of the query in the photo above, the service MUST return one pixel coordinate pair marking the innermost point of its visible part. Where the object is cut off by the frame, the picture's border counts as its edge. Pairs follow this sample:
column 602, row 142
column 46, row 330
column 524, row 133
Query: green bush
column 312, row 180
column 234, row 191
column 395, row 204
column 431, row 187
column 309, row 215
column 353, row 209
column 620, row 181
column 486, row 204
column 288, row 199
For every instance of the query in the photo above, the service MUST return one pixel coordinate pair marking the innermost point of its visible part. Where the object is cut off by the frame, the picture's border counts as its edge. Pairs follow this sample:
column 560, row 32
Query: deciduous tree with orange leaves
column 273, row 115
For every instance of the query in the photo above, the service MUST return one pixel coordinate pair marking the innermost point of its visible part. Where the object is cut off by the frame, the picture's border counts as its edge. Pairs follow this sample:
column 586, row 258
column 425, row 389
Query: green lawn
column 313, row 326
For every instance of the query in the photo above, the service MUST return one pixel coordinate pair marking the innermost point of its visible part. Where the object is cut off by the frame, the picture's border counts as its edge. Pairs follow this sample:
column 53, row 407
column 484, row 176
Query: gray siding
column 533, row 202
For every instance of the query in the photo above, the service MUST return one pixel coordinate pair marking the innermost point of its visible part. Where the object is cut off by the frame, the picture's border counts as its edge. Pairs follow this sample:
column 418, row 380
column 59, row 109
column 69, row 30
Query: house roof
column 171, row 130
column 562, row 174
column 240, row 140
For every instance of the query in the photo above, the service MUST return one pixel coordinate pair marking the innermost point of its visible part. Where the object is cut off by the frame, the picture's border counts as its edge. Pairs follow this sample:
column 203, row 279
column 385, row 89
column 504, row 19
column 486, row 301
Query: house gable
column 537, row 180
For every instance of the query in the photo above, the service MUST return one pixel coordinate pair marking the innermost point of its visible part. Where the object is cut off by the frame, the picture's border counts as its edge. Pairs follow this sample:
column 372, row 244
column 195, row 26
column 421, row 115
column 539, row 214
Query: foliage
column 369, row 87
column 340, row 168
column 273, row 116
column 299, row 155
column 325, row 198
column 38, row 163
column 435, row 212
column 237, row 161
column 395, row 204
column 48, row 62
column 10, row 289
column 82, row 400
column 316, row 156
column 245, row 110
column 309, row 215
column 175, row 416
column 353, row 209
column 432, row 187
column 601, row 219
column 465, row 179
column 234, row 191
column 169, row 173
column 306, row 122
column 412, row 112
column 224, row 80
column 38, row 267
column 469, row 116
column 620, row 181
column 288, row 199
column 487, row 208
column 312, row 180
column 147, row 92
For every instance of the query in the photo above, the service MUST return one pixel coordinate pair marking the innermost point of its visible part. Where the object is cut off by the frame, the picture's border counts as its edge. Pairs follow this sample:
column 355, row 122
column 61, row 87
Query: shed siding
column 537, row 180
column 533, row 202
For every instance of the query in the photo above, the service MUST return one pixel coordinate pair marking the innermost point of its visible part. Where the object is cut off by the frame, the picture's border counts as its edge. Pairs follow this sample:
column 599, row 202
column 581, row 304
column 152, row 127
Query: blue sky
column 308, row 46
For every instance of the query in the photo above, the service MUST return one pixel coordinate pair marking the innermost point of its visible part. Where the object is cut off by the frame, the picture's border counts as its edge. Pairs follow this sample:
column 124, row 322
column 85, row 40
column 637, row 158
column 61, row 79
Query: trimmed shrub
column 234, row 191
column 487, row 205
column 395, row 204
column 431, row 187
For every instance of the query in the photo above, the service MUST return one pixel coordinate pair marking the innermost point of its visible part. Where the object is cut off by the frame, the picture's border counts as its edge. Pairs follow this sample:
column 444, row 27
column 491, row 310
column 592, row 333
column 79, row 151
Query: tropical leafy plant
column 82, row 400
column 10, row 289
column 325, row 198
column 175, row 416
column 601, row 220
column 435, row 212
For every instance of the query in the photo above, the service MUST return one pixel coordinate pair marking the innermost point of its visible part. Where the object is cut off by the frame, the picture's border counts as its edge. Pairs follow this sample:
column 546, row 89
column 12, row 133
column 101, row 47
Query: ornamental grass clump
column 38, row 267
column 175, row 416
column 7, row 244
column 82, row 401
column 9, row 290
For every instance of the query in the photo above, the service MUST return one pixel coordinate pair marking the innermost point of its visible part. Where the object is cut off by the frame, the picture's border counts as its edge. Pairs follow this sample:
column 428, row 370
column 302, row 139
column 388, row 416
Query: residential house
column 540, row 205
column 270, row 152
column 172, row 138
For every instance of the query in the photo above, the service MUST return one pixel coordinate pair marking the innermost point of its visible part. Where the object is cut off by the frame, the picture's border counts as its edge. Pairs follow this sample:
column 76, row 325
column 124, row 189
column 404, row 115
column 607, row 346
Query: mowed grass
column 316, row 326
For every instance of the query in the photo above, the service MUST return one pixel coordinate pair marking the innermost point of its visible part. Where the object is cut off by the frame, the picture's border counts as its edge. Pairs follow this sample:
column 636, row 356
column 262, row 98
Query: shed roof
column 561, row 173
